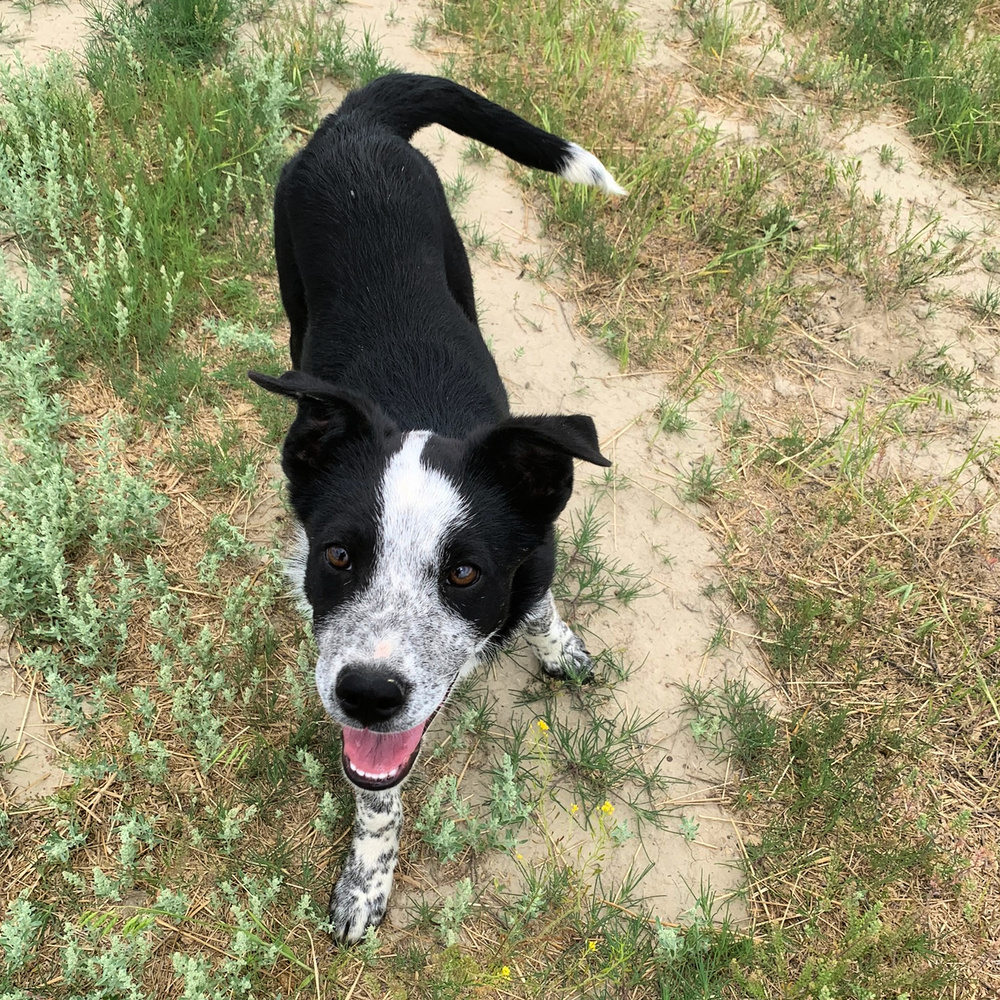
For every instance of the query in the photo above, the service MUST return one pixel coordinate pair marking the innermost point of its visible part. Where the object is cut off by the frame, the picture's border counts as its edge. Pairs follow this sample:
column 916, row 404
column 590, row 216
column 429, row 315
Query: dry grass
column 879, row 609
column 188, row 797
column 873, row 589
column 254, row 766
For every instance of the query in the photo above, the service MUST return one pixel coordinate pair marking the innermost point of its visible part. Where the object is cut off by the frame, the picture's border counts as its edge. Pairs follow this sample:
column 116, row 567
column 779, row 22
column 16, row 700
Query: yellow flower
column 574, row 808
column 505, row 972
column 543, row 725
column 591, row 946
column 607, row 808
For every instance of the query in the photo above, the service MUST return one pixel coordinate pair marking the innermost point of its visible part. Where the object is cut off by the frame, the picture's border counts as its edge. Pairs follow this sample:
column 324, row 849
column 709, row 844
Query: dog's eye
column 338, row 557
column 463, row 576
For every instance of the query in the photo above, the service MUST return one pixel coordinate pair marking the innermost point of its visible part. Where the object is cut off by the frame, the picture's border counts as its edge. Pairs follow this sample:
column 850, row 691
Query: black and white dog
column 425, row 510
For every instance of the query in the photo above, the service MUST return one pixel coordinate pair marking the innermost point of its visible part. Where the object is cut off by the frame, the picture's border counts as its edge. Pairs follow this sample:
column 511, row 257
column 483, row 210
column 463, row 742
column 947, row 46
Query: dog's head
column 412, row 541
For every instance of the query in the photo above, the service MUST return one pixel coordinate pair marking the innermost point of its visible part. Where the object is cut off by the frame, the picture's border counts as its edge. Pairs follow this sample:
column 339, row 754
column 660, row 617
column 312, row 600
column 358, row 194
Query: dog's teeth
column 373, row 777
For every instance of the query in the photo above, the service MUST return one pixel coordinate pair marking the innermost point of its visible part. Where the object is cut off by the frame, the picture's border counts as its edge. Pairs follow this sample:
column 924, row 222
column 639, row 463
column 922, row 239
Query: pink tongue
column 380, row 753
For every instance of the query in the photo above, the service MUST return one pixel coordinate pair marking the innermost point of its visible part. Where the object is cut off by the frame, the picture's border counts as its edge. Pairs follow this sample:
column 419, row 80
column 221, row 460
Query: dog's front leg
column 560, row 652
column 360, row 897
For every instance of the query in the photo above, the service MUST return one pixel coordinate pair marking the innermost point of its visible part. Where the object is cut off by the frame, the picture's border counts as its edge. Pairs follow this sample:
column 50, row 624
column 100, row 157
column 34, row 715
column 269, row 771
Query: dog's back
column 372, row 264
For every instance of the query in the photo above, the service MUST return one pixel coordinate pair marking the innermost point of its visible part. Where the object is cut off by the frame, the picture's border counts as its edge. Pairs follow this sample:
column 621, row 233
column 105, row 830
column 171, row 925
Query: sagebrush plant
column 128, row 235
column 450, row 824
column 45, row 514
column 454, row 911
column 74, row 621
column 125, row 220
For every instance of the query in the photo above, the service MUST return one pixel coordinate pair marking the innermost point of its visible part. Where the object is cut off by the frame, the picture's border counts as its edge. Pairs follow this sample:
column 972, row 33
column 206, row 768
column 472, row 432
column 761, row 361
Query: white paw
column 360, row 897
column 562, row 654
column 358, row 901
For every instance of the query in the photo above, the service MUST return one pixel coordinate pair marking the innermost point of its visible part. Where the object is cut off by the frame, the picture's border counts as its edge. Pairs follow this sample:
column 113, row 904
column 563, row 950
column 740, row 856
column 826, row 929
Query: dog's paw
column 562, row 654
column 358, row 901
column 360, row 897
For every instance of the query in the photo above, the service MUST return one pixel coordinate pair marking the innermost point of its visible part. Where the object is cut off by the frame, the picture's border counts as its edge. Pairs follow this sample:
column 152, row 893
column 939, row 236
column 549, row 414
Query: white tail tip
column 582, row 167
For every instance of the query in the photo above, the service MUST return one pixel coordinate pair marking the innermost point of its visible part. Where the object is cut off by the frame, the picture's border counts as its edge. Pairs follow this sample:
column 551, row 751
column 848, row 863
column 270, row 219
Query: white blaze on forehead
column 420, row 506
column 401, row 618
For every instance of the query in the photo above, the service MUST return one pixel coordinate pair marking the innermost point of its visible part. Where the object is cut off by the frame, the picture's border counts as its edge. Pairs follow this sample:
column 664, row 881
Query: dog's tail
column 406, row 102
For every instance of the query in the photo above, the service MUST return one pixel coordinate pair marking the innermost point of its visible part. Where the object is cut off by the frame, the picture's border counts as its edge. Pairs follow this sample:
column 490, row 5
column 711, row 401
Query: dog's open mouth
column 380, row 760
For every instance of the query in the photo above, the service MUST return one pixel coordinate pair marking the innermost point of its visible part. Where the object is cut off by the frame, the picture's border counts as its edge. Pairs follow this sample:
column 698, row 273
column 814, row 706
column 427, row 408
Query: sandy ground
column 33, row 33
column 550, row 367
column 27, row 740
column 923, row 201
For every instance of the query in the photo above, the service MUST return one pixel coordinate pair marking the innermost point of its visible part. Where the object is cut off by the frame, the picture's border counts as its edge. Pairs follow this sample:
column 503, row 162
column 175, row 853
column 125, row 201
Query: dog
column 425, row 510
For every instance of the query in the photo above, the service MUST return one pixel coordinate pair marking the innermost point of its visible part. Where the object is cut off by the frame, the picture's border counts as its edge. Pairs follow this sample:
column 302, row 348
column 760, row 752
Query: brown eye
column 338, row 557
column 463, row 576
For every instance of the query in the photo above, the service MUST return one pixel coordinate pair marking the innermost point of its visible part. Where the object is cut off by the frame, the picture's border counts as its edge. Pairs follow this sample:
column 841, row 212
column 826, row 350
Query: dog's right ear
column 532, row 459
column 328, row 417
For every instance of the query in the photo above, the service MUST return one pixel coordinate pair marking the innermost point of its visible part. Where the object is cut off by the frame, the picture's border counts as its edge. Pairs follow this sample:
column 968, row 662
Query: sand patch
column 27, row 740
column 550, row 366
column 33, row 33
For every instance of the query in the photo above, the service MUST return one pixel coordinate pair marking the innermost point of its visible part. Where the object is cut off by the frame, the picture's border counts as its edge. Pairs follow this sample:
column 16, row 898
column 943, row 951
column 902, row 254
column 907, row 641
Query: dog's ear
column 532, row 457
column 328, row 417
column 295, row 385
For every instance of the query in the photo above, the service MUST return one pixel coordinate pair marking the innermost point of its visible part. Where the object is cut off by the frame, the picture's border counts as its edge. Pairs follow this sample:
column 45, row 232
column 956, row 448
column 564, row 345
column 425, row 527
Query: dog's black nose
column 369, row 696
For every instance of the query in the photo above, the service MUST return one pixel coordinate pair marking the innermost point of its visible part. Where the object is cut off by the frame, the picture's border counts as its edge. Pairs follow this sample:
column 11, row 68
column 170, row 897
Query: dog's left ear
column 295, row 385
column 533, row 459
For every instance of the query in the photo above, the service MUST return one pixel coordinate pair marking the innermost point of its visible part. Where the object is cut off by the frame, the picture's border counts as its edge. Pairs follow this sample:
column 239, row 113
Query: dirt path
column 915, row 339
column 549, row 366
column 34, row 33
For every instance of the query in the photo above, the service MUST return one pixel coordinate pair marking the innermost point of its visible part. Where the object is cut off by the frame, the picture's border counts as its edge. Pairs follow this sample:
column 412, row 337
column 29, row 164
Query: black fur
column 378, row 291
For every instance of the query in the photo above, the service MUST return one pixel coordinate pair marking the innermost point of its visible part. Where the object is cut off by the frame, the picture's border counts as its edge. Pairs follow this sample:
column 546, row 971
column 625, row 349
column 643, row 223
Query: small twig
column 27, row 708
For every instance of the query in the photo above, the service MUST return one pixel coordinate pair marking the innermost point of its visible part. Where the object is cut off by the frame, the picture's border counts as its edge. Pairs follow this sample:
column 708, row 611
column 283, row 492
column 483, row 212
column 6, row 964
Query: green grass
column 203, row 808
column 942, row 59
column 131, row 192
column 710, row 229
column 672, row 417
column 874, row 652
column 847, row 570
column 587, row 579
column 188, row 32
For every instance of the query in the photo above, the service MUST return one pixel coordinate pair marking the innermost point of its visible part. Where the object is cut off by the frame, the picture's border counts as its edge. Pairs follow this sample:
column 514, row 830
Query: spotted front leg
column 360, row 897
column 558, row 650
